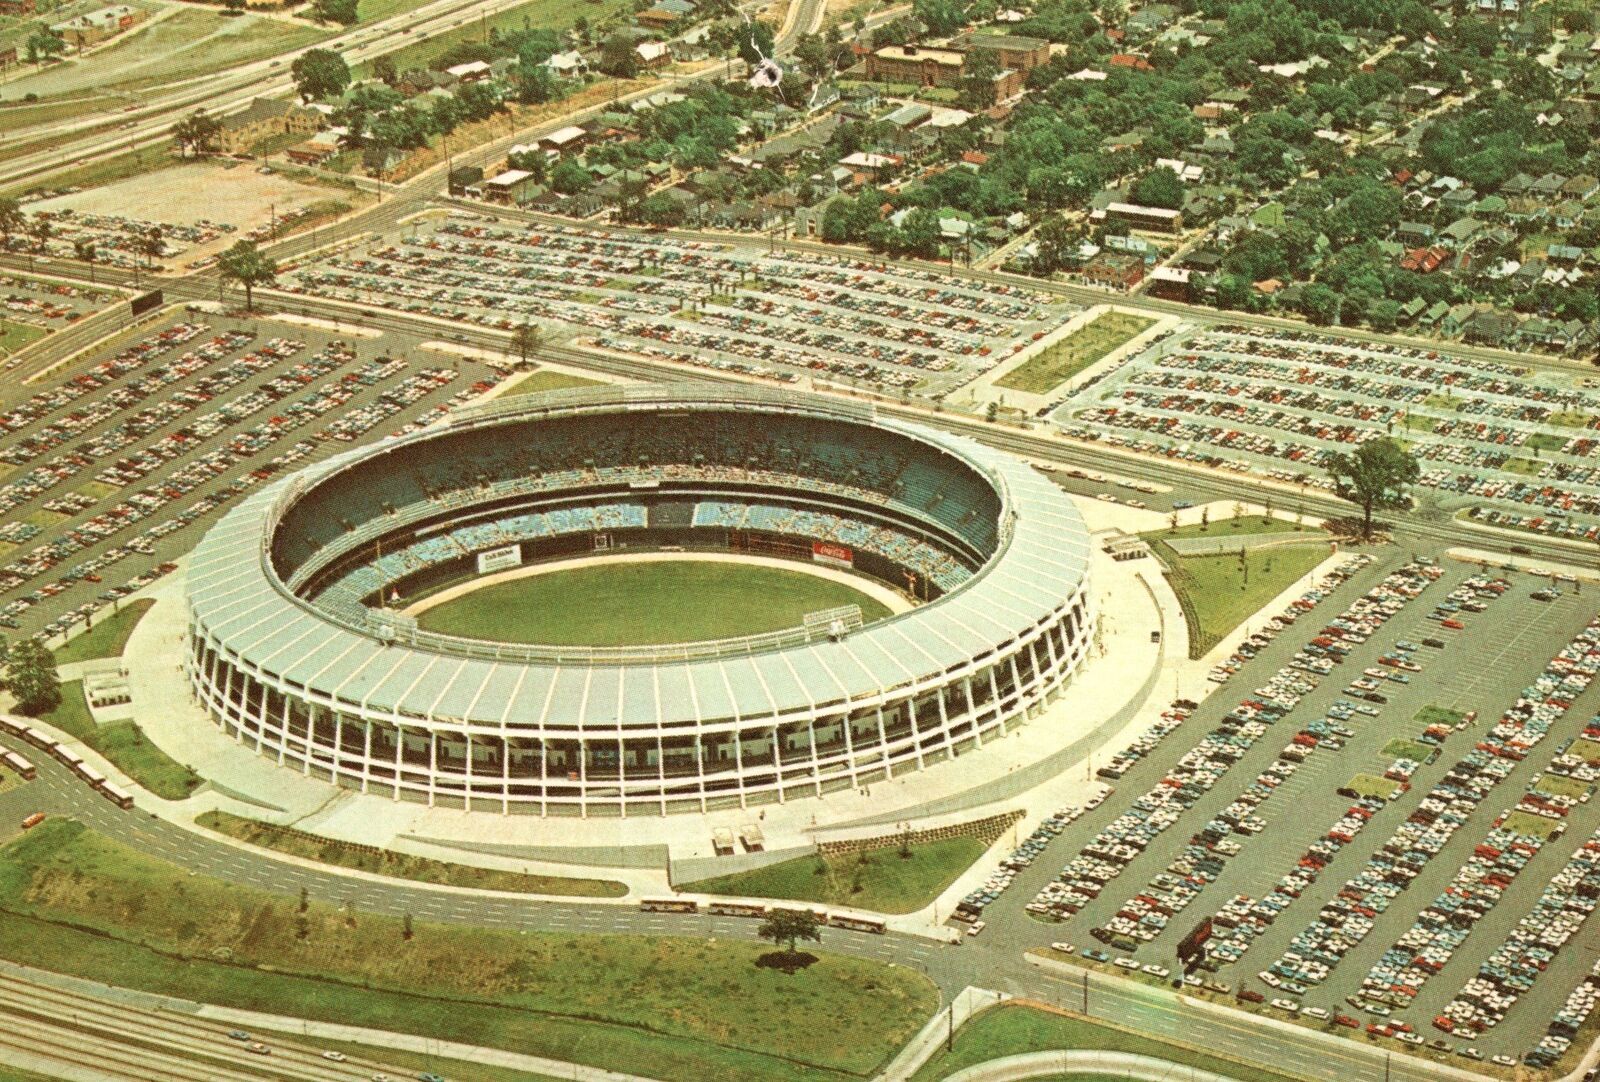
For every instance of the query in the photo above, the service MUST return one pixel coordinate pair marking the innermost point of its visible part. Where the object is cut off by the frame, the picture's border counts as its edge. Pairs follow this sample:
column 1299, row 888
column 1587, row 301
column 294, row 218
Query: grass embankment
column 631, row 604
column 1220, row 592
column 670, row 1008
column 124, row 744
column 546, row 380
column 1056, row 364
column 12, row 1074
column 108, row 638
column 1011, row 1030
column 1239, row 526
column 401, row 865
column 550, row 14
column 876, row 879
column 365, row 1055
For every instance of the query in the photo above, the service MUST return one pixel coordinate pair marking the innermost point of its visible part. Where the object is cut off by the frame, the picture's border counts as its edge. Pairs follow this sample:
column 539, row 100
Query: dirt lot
column 240, row 197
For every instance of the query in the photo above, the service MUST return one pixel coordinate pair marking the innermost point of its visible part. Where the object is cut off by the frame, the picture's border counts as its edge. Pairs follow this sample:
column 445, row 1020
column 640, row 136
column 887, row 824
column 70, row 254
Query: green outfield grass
column 108, row 638
column 401, row 865
column 1012, row 1030
column 677, row 1009
column 633, row 604
column 887, row 882
column 1056, row 364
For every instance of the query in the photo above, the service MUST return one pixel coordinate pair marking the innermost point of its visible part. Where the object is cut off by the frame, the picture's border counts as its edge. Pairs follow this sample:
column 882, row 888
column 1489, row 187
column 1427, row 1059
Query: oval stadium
column 309, row 616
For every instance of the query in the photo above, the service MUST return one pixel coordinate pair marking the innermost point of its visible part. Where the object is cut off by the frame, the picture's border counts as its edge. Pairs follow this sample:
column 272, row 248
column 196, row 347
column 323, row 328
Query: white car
column 1064, row 948
column 337, row 1057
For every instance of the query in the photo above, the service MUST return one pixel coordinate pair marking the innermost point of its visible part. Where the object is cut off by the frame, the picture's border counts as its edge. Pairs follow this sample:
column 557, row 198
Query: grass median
column 1014, row 1030
column 877, row 879
column 673, row 1008
column 124, row 744
column 402, row 865
column 108, row 638
column 546, row 380
column 1055, row 364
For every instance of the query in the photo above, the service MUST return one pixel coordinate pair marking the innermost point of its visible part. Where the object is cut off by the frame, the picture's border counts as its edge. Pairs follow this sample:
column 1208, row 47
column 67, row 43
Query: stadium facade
column 296, row 649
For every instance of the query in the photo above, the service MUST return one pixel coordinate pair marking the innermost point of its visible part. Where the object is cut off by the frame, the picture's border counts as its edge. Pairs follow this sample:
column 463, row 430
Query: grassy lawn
column 401, row 865
column 1218, row 594
column 193, row 42
column 1011, row 1030
column 1373, row 785
column 1571, row 419
column 1526, row 466
column 13, row 336
column 123, row 744
column 1545, row 441
column 13, row 1074
column 1438, row 715
column 888, row 883
column 643, row 603
column 1242, row 526
column 14, row 115
column 108, row 637
column 1536, row 826
column 673, row 1008
column 551, row 14
column 1408, row 749
column 1556, row 785
column 1589, row 749
column 72, row 716
column 545, row 380
column 1051, row 367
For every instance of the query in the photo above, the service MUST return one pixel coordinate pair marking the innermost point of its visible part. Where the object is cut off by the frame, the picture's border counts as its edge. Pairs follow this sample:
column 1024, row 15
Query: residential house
column 1417, row 234
column 567, row 65
column 1455, row 320
column 1582, row 187
column 1490, row 327
column 421, row 80
column 319, row 148
column 474, row 71
column 1460, row 233
column 265, row 118
column 1435, row 312
column 653, row 54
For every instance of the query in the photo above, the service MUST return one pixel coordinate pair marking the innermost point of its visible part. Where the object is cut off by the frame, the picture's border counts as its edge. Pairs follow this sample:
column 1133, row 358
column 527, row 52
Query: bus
column 857, row 924
column 20, row 765
column 669, row 905
column 736, row 909
column 115, row 795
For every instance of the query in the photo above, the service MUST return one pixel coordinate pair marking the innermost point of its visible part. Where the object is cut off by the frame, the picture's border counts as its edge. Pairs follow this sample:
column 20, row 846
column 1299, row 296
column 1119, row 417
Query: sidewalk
column 1072, row 1064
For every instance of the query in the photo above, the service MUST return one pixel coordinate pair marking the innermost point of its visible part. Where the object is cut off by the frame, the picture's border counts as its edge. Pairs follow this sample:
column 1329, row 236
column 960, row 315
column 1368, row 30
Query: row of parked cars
column 1281, row 407
column 1243, row 919
column 1201, row 862
column 1349, row 916
column 970, row 908
column 1563, row 905
column 1104, row 857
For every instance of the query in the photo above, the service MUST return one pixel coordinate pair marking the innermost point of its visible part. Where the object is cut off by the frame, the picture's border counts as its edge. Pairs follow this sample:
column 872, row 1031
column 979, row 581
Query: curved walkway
column 1084, row 1062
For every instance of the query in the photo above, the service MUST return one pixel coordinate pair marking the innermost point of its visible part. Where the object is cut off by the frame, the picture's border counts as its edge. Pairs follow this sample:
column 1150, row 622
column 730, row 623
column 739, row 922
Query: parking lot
column 785, row 315
column 109, row 471
column 1391, row 831
column 1511, row 446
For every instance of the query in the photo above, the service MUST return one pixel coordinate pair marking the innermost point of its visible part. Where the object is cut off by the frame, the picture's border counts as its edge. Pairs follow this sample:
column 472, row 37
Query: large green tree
column 31, row 677
column 1159, row 188
column 1376, row 475
column 788, row 926
column 320, row 73
column 249, row 266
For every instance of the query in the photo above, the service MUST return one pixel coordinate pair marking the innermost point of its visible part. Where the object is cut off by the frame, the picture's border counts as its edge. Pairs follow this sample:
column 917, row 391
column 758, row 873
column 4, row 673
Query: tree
column 249, row 266
column 12, row 220
column 1159, row 188
column 197, row 132
column 526, row 340
column 975, row 89
column 618, row 57
column 789, row 926
column 384, row 71
column 756, row 43
column 87, row 252
column 1320, row 303
column 940, row 16
column 320, row 73
column 569, row 177
column 920, row 233
column 39, row 229
column 334, row 11
column 233, row 7
column 32, row 679
column 44, row 44
column 1375, row 475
